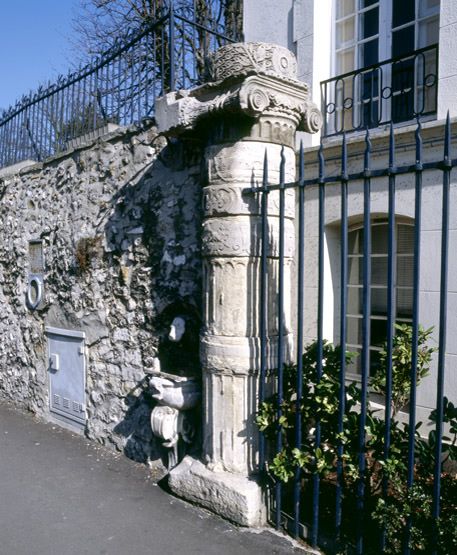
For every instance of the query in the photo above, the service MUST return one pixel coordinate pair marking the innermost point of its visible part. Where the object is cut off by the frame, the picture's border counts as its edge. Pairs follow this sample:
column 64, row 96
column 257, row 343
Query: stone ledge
column 8, row 171
column 82, row 143
column 231, row 496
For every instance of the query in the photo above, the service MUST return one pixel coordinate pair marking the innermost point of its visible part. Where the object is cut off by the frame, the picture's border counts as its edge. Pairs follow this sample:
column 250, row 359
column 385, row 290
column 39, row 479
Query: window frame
column 398, row 90
column 359, row 286
column 385, row 31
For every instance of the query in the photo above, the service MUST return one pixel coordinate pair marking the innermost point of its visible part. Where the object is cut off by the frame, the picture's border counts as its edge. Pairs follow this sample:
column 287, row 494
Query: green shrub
column 320, row 403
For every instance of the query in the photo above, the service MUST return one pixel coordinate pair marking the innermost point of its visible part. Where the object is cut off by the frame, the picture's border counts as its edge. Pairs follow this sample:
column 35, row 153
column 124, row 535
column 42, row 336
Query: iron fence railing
column 395, row 90
column 120, row 87
column 334, row 464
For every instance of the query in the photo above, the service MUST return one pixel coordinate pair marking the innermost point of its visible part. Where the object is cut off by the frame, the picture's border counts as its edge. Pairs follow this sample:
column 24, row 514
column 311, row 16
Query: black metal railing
column 120, row 87
column 396, row 90
column 345, row 476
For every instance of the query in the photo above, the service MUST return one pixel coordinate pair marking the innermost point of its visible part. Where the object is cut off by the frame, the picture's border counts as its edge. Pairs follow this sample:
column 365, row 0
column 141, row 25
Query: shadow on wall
column 152, row 238
column 179, row 357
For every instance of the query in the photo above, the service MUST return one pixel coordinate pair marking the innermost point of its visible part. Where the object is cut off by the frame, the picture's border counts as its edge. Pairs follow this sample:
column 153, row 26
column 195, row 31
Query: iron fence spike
column 301, row 165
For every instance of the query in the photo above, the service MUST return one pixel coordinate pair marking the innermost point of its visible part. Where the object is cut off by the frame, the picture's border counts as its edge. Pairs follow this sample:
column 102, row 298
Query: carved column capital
column 254, row 79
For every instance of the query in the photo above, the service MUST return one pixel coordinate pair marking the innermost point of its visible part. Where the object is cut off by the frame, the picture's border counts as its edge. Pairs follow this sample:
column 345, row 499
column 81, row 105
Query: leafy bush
column 401, row 364
column 319, row 405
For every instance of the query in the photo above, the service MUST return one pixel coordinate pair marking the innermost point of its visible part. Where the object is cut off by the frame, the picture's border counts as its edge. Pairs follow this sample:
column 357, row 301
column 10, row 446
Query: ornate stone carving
column 229, row 200
column 240, row 236
column 242, row 163
column 241, row 59
column 274, row 130
column 312, row 119
column 255, row 79
column 170, row 419
column 240, row 355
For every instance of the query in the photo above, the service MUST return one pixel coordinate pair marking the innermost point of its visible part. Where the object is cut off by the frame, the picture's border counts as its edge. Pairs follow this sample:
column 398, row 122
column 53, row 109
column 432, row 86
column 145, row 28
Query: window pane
column 378, row 329
column 345, row 32
column 405, row 239
column 378, row 332
column 379, row 240
column 404, row 303
column 345, row 61
column 379, row 270
column 403, row 41
column 403, row 11
column 354, row 331
column 405, row 271
column 366, row 3
column 428, row 32
column 355, row 270
column 369, row 23
column 354, row 300
column 379, row 301
column 369, row 53
column 374, row 361
column 355, row 241
column 428, row 7
column 354, row 367
column 344, row 7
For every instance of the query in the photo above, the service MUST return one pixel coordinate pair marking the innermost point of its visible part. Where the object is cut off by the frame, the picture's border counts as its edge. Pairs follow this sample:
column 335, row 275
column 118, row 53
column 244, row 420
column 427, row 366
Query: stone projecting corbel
column 254, row 79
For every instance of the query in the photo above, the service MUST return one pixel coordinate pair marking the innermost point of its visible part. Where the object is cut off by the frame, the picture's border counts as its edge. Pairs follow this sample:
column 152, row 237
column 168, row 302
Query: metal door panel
column 66, row 365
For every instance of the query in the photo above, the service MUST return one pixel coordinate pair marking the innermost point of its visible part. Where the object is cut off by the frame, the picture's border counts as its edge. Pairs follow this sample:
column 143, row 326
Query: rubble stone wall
column 119, row 220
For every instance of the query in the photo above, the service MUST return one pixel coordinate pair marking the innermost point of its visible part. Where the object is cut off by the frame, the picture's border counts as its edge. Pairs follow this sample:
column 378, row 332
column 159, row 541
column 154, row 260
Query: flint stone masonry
column 119, row 220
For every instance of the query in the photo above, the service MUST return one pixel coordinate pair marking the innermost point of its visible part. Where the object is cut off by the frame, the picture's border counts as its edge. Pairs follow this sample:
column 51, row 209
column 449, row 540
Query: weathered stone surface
column 233, row 496
column 254, row 103
column 254, row 80
column 255, row 57
column 119, row 221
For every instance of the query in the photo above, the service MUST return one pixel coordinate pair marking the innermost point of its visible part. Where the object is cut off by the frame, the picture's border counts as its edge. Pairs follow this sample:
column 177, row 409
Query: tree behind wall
column 103, row 24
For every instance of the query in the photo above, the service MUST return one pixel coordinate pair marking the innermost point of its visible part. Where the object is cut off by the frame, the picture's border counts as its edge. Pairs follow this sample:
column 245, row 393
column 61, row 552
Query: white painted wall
column 268, row 21
column 430, row 242
column 447, row 68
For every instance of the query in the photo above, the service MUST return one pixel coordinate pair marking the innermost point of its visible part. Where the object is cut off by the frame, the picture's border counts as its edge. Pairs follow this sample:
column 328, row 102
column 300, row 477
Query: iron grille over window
column 385, row 61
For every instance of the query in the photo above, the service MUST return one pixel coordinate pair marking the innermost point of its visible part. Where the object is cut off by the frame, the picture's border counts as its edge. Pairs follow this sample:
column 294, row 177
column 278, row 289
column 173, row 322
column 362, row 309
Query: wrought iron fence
column 341, row 474
column 396, row 90
column 119, row 88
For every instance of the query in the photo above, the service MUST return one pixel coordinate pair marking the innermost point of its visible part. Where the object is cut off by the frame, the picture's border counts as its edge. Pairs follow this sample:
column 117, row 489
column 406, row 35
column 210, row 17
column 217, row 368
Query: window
column 379, row 261
column 368, row 33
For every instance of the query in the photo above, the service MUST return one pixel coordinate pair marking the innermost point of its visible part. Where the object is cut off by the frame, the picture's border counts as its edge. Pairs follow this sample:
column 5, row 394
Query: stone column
column 252, row 104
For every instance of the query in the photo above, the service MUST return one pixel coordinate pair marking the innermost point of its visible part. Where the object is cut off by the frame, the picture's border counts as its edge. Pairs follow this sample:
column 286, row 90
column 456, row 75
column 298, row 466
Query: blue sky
column 34, row 44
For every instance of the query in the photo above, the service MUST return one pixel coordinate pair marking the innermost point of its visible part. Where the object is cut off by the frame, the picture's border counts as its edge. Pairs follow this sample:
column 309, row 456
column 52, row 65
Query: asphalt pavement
column 63, row 494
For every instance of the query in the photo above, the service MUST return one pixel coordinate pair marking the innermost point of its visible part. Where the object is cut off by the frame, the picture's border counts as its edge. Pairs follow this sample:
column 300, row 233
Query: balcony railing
column 395, row 90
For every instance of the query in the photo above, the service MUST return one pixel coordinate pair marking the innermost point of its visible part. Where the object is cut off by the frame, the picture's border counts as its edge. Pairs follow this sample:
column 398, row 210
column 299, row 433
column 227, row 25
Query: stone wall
column 119, row 220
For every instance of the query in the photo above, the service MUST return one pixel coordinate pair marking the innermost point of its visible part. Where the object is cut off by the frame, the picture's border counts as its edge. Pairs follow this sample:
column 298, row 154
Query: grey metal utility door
column 67, row 380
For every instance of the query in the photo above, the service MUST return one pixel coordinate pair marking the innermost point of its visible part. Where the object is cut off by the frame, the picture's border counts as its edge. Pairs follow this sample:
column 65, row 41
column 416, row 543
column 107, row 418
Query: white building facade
column 369, row 63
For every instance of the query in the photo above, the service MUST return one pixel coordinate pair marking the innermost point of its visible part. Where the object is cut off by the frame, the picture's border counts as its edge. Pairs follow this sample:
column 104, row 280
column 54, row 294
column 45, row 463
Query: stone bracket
column 255, row 96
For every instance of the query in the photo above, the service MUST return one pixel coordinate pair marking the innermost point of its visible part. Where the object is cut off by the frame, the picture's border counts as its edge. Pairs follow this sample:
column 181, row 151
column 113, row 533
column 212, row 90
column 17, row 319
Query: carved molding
column 241, row 59
column 274, row 130
column 228, row 200
column 254, row 86
column 241, row 236
column 240, row 355
column 242, row 163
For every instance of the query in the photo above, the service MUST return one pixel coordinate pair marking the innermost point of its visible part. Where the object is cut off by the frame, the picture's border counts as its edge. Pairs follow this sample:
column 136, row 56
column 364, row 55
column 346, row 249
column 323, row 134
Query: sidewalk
column 61, row 494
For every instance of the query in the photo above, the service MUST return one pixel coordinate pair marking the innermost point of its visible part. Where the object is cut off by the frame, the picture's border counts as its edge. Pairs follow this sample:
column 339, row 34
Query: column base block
column 232, row 496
